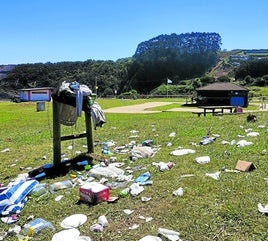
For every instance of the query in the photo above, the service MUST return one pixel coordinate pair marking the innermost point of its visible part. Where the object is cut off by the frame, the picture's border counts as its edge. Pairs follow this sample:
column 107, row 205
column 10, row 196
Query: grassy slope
column 209, row 209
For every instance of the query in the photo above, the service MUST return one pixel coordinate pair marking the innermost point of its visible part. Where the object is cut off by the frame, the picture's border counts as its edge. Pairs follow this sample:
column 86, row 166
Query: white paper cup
column 3, row 234
column 103, row 221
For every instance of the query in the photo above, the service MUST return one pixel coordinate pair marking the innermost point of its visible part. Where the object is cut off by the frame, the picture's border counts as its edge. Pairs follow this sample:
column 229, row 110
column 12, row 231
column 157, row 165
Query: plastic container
column 37, row 225
column 39, row 190
column 60, row 185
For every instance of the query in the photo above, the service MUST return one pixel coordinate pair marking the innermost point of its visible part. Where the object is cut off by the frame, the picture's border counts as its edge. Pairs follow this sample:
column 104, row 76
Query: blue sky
column 76, row 30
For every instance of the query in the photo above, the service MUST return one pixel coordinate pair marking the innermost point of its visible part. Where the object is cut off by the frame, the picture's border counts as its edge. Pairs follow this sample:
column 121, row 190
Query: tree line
column 178, row 57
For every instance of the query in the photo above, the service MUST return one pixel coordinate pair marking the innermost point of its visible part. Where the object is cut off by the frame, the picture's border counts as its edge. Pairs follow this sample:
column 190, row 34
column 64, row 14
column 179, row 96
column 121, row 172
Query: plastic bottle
column 124, row 192
column 60, row 185
column 39, row 190
column 37, row 225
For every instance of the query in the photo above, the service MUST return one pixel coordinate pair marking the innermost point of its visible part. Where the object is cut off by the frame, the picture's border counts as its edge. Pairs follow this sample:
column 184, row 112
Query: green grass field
column 224, row 209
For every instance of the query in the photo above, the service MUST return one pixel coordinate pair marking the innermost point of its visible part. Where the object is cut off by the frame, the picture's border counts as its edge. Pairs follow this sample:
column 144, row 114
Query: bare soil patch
column 143, row 108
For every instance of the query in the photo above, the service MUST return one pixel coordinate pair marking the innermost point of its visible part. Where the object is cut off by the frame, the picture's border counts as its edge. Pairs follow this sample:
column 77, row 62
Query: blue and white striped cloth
column 13, row 199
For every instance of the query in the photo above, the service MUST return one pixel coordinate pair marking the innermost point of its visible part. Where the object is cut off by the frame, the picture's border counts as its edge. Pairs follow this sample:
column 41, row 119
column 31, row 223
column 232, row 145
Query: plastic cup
column 3, row 234
column 103, row 221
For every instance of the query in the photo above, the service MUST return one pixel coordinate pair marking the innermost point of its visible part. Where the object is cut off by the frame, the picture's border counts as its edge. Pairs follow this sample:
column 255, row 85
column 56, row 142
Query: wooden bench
column 199, row 113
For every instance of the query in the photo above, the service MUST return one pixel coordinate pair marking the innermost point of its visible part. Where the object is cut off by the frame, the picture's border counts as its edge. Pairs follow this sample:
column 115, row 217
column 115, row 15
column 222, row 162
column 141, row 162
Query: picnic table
column 215, row 109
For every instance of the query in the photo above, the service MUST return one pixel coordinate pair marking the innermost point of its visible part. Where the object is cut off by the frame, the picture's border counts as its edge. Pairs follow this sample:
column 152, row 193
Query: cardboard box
column 94, row 192
column 244, row 166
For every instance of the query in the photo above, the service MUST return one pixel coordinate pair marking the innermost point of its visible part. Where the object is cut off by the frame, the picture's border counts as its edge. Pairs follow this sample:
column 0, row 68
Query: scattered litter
column 107, row 171
column 35, row 226
column 10, row 219
column 148, row 219
column 253, row 134
column 187, row 175
column 113, row 159
column 134, row 131
column 134, row 226
column 163, row 166
column 243, row 143
column 202, row 159
column 251, row 118
column 60, row 185
column 207, row 140
column 215, row 175
column 178, row 192
column 233, row 142
column 39, row 190
column 31, row 217
column 3, row 234
column 139, row 152
column 224, row 169
column 94, row 192
column 124, row 192
column 145, row 199
column 73, row 221
column 70, row 147
column 147, row 143
column 136, row 189
column 128, row 211
column 103, row 221
column 143, row 177
column 263, row 209
column 181, row 152
column 112, row 199
column 5, row 150
column 14, row 230
column 150, row 238
column 264, row 152
column 96, row 228
column 194, row 144
column 172, row 134
column 261, row 126
column 244, row 166
column 169, row 234
column 169, row 144
column 67, row 235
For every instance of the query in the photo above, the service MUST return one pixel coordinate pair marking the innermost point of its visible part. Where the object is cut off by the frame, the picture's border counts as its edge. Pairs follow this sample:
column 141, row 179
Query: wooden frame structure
column 57, row 138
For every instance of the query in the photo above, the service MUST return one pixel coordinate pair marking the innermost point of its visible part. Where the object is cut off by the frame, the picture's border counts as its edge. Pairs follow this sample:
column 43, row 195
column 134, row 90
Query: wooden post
column 56, row 134
column 90, row 147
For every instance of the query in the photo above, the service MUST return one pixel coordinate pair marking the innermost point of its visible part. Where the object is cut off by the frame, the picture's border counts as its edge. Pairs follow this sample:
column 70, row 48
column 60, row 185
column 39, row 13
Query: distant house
column 36, row 94
column 222, row 93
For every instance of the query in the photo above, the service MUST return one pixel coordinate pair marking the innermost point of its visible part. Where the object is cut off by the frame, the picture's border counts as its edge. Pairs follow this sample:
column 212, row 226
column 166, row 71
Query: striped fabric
column 13, row 199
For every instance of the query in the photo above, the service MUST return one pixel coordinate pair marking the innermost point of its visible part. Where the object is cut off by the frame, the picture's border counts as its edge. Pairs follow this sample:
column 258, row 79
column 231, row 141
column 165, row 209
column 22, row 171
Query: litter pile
column 94, row 178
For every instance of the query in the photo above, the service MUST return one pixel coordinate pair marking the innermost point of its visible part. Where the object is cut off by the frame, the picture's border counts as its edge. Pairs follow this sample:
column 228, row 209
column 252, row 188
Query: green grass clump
column 224, row 209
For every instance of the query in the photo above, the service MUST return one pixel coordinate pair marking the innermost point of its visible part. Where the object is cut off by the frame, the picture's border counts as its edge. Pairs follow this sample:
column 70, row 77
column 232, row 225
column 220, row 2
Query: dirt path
column 143, row 108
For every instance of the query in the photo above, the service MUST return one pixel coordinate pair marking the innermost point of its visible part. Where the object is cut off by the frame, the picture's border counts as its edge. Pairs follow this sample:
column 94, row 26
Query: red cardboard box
column 94, row 192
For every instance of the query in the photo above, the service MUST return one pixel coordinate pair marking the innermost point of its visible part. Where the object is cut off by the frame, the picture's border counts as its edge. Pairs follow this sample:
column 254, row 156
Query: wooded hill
column 190, row 60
